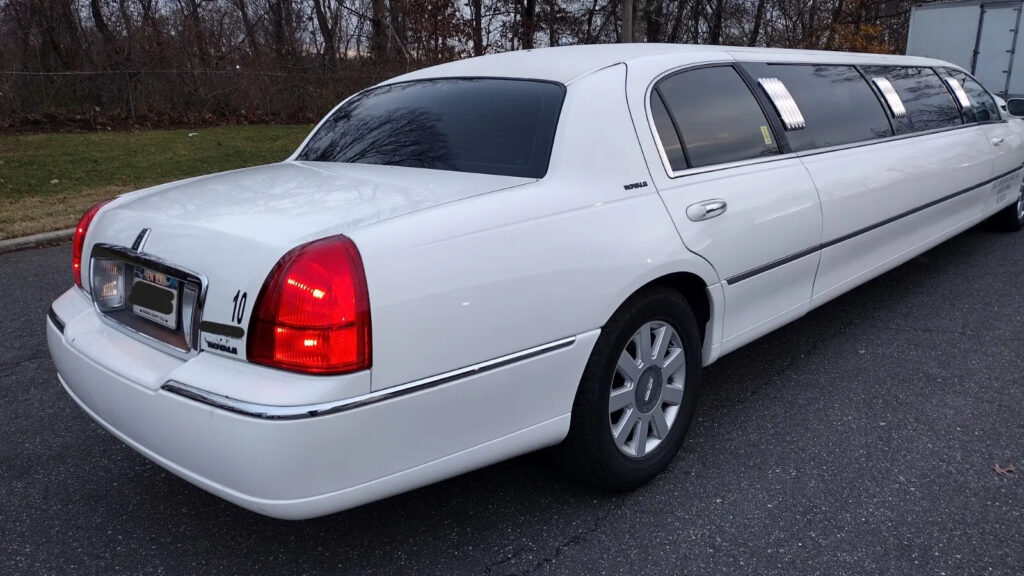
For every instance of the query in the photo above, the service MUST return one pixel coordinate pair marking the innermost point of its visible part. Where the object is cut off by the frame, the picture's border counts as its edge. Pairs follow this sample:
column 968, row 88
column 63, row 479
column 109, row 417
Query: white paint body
column 466, row 268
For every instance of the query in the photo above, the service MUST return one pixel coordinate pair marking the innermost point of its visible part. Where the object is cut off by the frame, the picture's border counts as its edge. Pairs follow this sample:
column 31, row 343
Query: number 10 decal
column 238, row 311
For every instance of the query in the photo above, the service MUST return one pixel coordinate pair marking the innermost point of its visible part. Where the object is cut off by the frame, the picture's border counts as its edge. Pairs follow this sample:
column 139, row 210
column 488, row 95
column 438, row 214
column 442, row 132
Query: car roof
column 566, row 63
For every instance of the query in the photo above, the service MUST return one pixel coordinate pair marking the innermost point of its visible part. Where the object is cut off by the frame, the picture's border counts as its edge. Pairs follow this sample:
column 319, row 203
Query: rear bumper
column 301, row 468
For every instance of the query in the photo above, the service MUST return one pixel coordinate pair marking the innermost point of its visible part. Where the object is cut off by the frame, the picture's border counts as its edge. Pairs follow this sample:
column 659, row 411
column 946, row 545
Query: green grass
column 47, row 180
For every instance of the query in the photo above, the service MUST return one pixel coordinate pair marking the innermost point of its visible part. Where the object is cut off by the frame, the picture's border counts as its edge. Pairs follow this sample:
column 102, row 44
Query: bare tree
column 715, row 26
column 173, row 61
column 627, row 21
column 654, row 13
column 100, row 22
column 527, row 28
column 379, row 30
column 327, row 24
column 476, row 11
column 755, row 29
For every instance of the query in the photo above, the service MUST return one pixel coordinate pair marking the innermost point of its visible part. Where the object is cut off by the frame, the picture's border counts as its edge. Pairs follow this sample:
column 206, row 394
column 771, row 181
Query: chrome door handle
column 706, row 210
column 997, row 141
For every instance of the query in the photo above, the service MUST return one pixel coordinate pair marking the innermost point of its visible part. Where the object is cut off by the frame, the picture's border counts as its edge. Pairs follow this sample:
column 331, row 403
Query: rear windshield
column 482, row 125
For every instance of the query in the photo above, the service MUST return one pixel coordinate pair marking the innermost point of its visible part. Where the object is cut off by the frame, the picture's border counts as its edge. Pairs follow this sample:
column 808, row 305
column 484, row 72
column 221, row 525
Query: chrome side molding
column 835, row 241
column 322, row 409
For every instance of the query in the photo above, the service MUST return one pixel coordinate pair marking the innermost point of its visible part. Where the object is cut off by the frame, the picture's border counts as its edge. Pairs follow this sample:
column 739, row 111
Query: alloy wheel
column 647, row 389
column 1020, row 203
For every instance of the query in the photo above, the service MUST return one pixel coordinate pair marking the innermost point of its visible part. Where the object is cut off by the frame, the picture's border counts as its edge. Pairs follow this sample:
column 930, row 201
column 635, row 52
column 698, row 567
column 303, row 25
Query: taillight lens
column 313, row 313
column 78, row 244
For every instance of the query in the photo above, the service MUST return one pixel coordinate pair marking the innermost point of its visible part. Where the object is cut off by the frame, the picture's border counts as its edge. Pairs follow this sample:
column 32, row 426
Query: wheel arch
column 694, row 290
column 697, row 293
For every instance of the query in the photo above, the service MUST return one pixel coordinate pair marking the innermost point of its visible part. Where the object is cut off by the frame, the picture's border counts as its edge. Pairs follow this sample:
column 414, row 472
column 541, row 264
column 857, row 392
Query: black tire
column 1011, row 218
column 589, row 452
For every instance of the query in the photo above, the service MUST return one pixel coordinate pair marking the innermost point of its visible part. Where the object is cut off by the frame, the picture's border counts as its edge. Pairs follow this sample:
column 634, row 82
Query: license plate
column 154, row 296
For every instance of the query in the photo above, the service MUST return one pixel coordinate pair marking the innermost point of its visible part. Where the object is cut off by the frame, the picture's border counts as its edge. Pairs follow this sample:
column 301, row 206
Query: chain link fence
column 157, row 98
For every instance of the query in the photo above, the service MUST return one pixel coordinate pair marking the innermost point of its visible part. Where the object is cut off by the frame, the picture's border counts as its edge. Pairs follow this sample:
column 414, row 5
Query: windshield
column 483, row 125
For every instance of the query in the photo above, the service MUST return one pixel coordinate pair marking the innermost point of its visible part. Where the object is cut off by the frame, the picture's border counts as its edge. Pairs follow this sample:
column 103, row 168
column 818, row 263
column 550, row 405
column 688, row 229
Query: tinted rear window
column 718, row 118
column 835, row 101
column 482, row 125
column 928, row 102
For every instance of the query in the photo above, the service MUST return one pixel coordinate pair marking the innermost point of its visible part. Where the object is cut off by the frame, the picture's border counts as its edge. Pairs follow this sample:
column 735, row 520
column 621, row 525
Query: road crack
column 4, row 368
column 559, row 548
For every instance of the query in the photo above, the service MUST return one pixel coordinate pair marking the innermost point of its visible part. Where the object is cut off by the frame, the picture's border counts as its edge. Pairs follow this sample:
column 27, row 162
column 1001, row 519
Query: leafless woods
column 96, row 63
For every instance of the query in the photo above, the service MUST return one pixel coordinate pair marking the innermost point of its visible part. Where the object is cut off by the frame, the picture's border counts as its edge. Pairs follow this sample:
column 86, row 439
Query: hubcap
column 1020, row 203
column 647, row 389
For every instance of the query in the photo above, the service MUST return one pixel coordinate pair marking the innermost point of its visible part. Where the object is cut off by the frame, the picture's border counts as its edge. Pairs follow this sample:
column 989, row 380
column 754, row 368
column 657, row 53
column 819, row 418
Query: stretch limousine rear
column 506, row 253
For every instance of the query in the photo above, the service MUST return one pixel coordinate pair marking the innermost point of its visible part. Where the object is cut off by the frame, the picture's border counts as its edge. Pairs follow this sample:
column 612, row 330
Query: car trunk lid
column 232, row 228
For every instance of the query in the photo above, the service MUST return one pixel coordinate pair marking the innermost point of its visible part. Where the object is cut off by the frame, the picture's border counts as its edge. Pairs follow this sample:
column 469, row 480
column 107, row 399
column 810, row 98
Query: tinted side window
column 836, row 102
column 718, row 118
column 928, row 102
column 983, row 106
column 667, row 134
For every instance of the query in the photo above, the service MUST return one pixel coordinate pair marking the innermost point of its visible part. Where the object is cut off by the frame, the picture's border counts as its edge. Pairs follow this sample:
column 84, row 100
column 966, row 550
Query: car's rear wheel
column 637, row 394
column 1011, row 218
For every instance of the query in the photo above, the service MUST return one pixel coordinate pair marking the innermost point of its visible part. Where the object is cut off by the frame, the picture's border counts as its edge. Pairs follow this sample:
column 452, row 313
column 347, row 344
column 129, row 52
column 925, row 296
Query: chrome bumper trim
column 155, row 334
column 322, row 409
column 57, row 322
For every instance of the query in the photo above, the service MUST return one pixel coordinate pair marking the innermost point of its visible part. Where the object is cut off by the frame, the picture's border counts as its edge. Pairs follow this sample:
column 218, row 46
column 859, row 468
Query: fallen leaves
column 1004, row 471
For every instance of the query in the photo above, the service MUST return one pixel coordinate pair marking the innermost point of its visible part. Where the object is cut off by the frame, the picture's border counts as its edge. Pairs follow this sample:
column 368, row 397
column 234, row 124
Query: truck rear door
column 993, row 62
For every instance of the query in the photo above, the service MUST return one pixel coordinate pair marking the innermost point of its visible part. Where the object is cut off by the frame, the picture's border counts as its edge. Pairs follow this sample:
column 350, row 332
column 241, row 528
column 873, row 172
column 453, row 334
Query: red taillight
column 313, row 313
column 78, row 244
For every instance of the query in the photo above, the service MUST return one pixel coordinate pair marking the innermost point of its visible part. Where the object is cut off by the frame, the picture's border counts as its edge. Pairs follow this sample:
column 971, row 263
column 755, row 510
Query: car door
column 735, row 197
column 1007, row 149
column 888, row 200
column 1003, row 140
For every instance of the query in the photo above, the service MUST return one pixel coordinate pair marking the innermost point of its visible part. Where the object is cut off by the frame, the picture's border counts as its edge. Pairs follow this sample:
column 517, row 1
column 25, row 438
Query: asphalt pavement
column 860, row 439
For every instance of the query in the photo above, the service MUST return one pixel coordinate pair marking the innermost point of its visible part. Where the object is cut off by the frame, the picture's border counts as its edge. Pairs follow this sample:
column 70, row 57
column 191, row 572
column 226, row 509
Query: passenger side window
column 928, row 102
column 837, row 104
column 717, row 117
column 982, row 104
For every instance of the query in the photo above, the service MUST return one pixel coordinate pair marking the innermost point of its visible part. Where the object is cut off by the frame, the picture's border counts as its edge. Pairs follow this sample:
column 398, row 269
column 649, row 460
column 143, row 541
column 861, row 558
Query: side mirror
column 1015, row 106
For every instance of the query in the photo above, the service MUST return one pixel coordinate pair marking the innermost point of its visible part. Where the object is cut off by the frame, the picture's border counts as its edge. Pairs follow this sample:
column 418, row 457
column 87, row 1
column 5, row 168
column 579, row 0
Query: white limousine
column 507, row 253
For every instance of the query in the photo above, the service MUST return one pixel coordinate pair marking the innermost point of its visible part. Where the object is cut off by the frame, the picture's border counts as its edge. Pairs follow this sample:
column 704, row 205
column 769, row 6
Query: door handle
column 997, row 141
column 706, row 210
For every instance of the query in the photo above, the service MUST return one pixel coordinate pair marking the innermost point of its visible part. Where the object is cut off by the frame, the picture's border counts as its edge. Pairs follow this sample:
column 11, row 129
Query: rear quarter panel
column 477, row 279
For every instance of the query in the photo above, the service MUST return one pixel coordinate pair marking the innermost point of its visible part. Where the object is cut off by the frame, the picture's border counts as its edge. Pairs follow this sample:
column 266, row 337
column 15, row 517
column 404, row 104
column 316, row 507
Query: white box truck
column 980, row 36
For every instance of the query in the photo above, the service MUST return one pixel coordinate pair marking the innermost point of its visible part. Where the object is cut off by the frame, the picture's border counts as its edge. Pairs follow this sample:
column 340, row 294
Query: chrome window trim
column 812, row 152
column 673, row 174
column 654, row 132
column 961, row 97
column 785, row 105
column 657, row 138
column 270, row 412
column 894, row 138
column 164, row 267
column 1000, row 109
column 891, row 97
